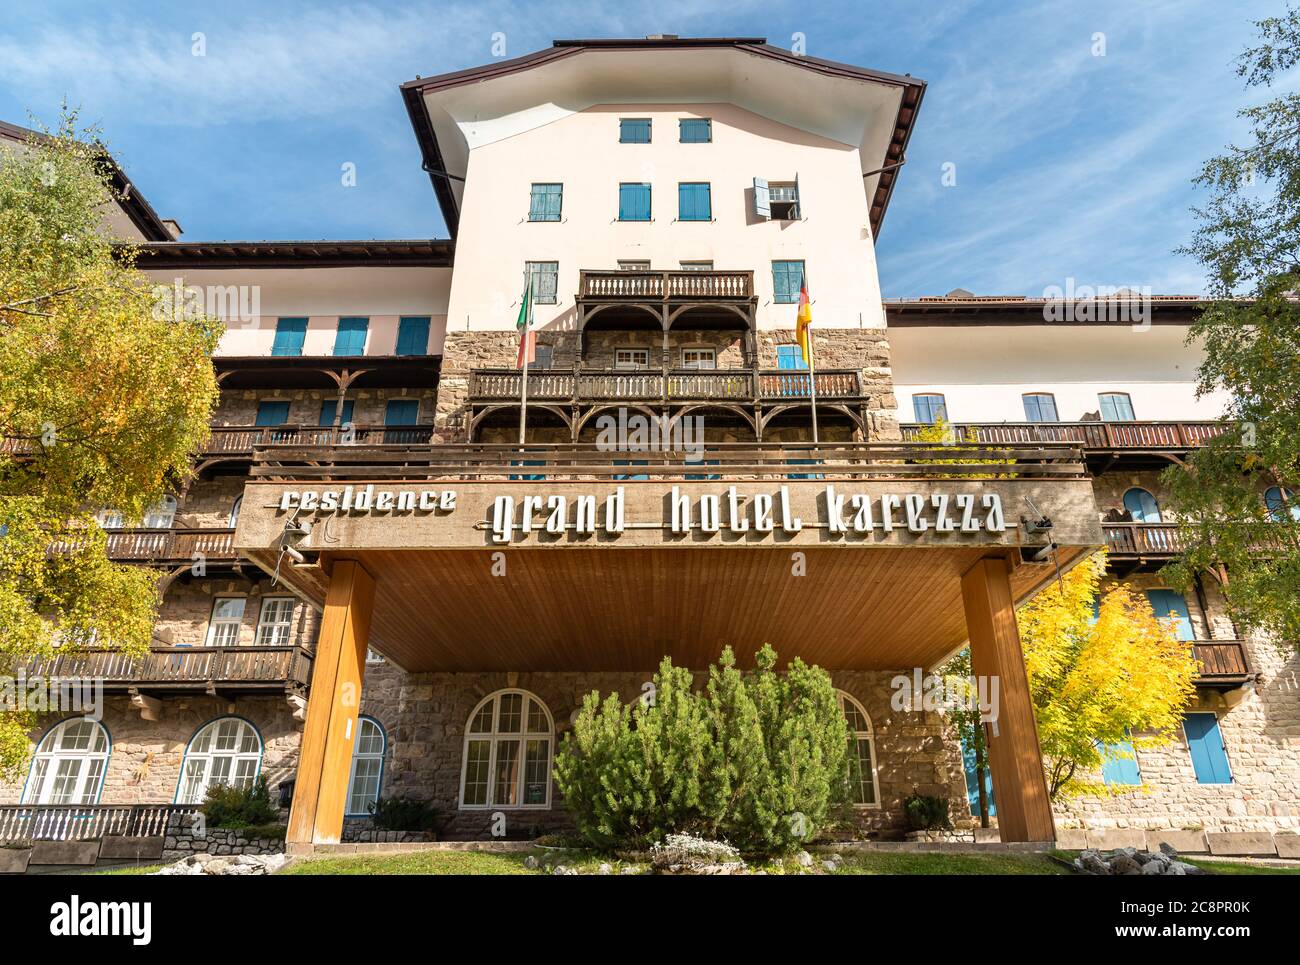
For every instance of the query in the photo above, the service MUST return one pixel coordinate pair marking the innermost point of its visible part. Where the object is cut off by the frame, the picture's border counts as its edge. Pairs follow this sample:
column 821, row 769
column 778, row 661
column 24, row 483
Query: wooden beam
column 325, row 760
column 1016, row 762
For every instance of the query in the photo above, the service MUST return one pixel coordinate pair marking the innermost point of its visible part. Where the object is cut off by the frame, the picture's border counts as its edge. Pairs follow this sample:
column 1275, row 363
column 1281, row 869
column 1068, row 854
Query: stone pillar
column 325, row 760
column 1016, row 763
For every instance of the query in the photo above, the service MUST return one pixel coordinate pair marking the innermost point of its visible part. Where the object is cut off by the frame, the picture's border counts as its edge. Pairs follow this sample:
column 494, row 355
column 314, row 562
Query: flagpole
column 812, row 382
column 524, row 346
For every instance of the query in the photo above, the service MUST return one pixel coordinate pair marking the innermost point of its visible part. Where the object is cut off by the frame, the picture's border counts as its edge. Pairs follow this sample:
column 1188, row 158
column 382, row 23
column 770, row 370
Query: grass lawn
column 1239, row 868
column 414, row 863
column 904, row 863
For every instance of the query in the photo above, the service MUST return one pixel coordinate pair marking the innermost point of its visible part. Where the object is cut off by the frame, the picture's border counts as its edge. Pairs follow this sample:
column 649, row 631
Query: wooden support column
column 1016, row 762
column 325, row 758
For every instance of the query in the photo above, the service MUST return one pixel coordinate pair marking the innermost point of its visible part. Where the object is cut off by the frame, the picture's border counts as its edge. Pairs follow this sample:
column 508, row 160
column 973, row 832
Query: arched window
column 226, row 751
column 1142, row 506
column 69, row 764
column 161, row 515
column 234, row 511
column 1276, row 499
column 110, row 519
column 507, row 762
column 865, row 793
column 367, row 766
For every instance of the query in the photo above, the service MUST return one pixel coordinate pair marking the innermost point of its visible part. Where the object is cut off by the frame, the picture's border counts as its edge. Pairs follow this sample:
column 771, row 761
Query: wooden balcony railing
column 661, row 285
column 164, row 545
column 651, row 385
column 1142, row 539
column 185, row 668
column 242, row 440
column 1104, row 436
column 86, row 822
column 582, row 461
column 1222, row 662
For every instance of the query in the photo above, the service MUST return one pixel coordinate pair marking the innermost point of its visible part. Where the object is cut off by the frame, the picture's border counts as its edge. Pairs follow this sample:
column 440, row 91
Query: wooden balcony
column 185, row 669
column 619, row 285
column 655, row 386
column 1095, row 437
column 1142, row 541
column 1223, row 663
column 240, row 441
column 87, row 822
column 164, row 545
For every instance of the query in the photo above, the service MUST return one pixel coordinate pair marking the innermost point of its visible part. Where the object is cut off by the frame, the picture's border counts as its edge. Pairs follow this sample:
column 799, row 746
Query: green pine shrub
column 925, row 812
column 230, row 806
column 403, row 814
column 759, row 759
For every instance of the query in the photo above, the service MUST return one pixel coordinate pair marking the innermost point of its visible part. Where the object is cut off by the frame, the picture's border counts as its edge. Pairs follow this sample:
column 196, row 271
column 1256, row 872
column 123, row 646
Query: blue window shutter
column 272, row 413
column 401, row 412
column 787, row 279
column 790, row 357
column 695, row 130
column 972, row 779
column 1205, row 744
column 694, row 202
column 634, row 130
column 1142, row 506
column 290, row 333
column 634, row 202
column 413, row 335
column 762, row 199
column 1120, row 770
column 351, row 336
column 545, row 202
column 1040, row 407
column 1165, row 602
column 327, row 412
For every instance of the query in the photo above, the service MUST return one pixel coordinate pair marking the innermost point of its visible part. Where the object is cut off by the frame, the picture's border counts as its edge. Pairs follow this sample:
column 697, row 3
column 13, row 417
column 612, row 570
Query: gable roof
column 128, row 197
column 884, row 168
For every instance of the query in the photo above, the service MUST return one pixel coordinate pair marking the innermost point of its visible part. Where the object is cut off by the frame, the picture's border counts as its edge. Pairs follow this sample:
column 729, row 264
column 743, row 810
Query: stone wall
column 863, row 349
column 144, row 763
column 425, row 716
column 182, row 841
column 186, row 610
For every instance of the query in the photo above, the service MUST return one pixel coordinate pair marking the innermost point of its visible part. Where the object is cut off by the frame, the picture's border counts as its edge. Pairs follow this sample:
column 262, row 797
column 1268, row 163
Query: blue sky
column 1068, row 164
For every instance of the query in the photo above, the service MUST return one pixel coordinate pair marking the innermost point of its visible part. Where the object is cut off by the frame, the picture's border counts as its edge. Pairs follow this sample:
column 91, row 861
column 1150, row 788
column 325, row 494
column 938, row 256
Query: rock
column 531, row 861
column 830, row 866
column 1091, row 862
column 1167, row 850
column 1124, row 864
column 605, row 869
column 1153, row 868
column 803, row 859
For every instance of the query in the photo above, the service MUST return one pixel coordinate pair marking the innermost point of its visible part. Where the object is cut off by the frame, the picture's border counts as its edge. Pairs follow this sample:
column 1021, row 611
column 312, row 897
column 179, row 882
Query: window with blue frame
column 290, row 334
column 1170, row 605
column 634, row 130
column 634, row 202
column 1119, row 763
column 1142, row 506
column 413, row 335
column 1205, row 744
column 787, row 280
column 694, row 201
column 351, row 336
column 545, row 202
column 695, row 130
column 1040, row 407
column 1276, row 501
column 790, row 357
column 1116, row 407
column 929, row 408
column 272, row 413
column 327, row 408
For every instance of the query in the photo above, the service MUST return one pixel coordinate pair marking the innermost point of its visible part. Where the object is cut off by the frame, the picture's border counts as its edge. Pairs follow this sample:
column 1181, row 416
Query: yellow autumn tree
column 1125, row 677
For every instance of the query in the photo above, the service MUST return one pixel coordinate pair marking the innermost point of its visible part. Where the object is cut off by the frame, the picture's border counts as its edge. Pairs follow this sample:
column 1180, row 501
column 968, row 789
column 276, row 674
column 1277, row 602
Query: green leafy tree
column 1248, row 240
column 104, row 395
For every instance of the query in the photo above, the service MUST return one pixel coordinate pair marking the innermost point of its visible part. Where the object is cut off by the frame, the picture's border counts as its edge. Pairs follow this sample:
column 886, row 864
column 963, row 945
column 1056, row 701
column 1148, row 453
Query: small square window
column 634, row 202
column 631, row 358
column 698, row 358
column 696, row 130
column 784, row 201
column 787, row 281
column 634, row 130
column 694, row 201
column 697, row 266
column 545, row 277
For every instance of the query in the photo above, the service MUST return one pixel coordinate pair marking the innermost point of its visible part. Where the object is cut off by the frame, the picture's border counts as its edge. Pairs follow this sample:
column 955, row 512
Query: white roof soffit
column 854, row 111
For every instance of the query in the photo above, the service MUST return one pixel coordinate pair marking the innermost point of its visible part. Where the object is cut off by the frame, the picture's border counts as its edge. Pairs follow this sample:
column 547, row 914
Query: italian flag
column 527, row 339
column 803, row 322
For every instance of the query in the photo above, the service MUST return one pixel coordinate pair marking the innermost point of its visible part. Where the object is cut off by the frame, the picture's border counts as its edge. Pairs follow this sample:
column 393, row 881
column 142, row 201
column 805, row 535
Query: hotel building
column 396, row 598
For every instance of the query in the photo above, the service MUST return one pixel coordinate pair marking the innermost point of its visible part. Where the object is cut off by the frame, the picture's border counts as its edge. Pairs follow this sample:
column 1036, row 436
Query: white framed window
column 161, row 515
column 275, row 622
column 226, row 751
column 784, row 200
column 633, row 264
column 509, row 741
column 631, row 358
column 226, row 621
column 696, row 265
column 367, row 766
column 69, row 763
column 698, row 357
column 866, row 789
column 110, row 519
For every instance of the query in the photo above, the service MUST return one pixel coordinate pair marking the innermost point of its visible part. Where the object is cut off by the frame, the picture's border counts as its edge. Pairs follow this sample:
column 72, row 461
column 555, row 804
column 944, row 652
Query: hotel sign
column 497, row 513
